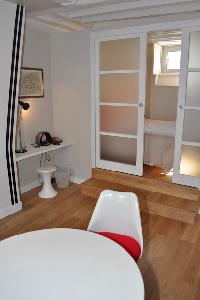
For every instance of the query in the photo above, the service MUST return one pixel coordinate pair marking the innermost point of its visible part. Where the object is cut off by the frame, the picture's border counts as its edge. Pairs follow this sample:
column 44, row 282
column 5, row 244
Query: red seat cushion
column 128, row 243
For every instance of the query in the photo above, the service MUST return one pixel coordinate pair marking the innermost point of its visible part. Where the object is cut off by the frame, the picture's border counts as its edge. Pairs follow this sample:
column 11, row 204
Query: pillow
column 130, row 244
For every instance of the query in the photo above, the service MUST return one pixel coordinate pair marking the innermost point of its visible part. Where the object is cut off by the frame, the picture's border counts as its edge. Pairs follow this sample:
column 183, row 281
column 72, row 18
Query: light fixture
column 24, row 106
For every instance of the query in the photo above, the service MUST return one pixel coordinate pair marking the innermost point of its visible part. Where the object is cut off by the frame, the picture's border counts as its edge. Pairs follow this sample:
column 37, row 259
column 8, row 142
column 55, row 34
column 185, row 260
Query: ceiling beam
column 86, row 2
column 47, row 26
column 64, row 22
column 145, row 12
column 120, row 7
column 68, row 8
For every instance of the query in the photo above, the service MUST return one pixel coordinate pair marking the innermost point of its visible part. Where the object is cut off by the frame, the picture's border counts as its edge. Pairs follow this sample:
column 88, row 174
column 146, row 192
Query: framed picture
column 31, row 83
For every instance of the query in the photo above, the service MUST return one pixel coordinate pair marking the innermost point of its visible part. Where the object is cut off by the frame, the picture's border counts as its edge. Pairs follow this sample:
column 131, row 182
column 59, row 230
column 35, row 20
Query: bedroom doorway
column 162, row 85
column 159, row 116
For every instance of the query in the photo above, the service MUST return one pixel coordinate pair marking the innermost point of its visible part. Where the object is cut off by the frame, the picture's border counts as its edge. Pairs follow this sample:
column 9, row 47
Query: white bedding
column 159, row 143
column 158, row 127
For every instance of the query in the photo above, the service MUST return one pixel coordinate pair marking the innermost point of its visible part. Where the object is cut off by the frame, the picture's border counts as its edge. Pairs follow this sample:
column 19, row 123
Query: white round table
column 58, row 264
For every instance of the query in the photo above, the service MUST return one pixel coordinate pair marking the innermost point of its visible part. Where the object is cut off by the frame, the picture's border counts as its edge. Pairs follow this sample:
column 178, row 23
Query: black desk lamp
column 24, row 106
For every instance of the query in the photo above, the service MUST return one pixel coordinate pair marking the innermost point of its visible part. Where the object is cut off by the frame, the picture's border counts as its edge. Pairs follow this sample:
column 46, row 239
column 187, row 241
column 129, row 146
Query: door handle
column 181, row 106
column 141, row 104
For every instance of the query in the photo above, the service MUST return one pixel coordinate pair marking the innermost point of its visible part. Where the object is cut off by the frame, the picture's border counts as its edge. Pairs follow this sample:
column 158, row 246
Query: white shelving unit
column 32, row 151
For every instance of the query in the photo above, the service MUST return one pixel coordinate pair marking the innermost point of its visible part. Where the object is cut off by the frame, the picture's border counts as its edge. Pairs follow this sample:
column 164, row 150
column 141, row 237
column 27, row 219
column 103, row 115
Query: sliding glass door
column 187, row 148
column 120, row 67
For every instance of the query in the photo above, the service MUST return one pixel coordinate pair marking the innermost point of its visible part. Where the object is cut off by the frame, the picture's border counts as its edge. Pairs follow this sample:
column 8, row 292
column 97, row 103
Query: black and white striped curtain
column 11, row 36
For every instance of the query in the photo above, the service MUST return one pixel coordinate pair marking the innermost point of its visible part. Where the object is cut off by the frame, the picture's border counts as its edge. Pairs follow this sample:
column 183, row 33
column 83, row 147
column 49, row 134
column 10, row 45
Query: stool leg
column 47, row 190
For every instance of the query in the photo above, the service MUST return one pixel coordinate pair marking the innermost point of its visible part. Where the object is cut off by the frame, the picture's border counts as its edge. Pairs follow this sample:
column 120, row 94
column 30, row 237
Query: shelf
column 123, row 135
column 192, row 144
column 118, row 72
column 32, row 151
column 119, row 104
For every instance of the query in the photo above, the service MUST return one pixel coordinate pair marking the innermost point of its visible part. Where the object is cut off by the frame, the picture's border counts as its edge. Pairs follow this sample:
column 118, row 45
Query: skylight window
column 173, row 59
column 166, row 66
column 170, row 59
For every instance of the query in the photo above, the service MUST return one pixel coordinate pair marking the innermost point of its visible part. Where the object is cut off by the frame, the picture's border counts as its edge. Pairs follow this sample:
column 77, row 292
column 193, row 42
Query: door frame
column 189, row 180
column 172, row 25
column 136, row 169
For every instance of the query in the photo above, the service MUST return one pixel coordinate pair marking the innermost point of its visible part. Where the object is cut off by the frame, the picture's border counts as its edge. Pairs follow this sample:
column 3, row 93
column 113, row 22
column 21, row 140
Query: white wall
column 39, row 116
column 164, row 101
column 70, row 114
column 161, row 101
column 70, row 66
column 67, row 58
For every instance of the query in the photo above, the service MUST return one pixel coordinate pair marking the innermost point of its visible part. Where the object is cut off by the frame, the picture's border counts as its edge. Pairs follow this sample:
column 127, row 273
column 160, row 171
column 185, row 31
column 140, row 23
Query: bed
column 159, row 143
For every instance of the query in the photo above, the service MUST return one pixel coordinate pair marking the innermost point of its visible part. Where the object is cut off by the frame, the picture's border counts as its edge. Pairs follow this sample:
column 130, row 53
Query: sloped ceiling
column 68, row 15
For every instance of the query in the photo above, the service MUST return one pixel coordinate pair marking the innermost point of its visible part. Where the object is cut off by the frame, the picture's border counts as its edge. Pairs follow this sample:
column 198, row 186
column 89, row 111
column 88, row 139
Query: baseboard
column 30, row 186
column 77, row 180
column 10, row 210
column 36, row 183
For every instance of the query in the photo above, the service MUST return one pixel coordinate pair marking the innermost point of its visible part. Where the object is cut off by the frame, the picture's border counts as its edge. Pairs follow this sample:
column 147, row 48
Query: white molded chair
column 117, row 212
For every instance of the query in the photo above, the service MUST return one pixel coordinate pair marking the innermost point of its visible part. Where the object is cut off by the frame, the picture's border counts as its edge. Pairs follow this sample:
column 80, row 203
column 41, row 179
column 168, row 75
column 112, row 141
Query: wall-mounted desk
column 32, row 151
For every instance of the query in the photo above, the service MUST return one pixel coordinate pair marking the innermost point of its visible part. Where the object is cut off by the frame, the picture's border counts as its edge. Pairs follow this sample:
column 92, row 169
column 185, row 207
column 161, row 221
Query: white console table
column 32, row 151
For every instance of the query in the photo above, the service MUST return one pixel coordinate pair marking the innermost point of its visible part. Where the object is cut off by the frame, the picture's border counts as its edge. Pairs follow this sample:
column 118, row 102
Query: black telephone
column 44, row 138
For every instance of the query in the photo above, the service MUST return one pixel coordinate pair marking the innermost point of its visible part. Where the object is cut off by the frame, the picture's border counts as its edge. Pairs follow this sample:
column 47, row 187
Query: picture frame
column 31, row 83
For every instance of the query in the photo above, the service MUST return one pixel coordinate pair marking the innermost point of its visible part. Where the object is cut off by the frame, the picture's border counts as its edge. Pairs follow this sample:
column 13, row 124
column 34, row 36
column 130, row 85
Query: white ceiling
column 71, row 15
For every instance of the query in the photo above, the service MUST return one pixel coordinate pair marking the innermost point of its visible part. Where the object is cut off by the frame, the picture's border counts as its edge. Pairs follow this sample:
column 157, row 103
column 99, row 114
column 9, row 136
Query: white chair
column 47, row 189
column 117, row 212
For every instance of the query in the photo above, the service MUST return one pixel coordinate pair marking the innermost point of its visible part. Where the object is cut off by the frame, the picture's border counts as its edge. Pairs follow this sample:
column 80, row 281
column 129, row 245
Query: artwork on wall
column 31, row 83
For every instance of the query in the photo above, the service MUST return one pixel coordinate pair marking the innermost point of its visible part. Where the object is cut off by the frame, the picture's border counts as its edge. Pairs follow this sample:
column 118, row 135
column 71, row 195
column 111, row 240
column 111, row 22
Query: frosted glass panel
column 191, row 129
column 194, row 50
column 118, row 149
column 190, row 158
column 193, row 89
column 121, row 54
column 119, row 119
column 119, row 88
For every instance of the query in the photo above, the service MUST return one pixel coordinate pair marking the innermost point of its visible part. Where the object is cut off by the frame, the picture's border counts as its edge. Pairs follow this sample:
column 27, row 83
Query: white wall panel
column 39, row 117
column 70, row 67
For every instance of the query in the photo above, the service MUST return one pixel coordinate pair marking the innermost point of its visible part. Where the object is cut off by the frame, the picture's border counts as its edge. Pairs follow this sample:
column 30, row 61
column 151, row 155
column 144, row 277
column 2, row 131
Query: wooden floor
column 156, row 196
column 155, row 173
column 170, row 264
